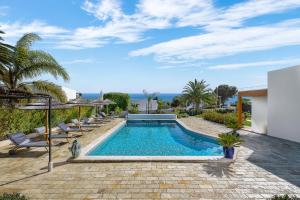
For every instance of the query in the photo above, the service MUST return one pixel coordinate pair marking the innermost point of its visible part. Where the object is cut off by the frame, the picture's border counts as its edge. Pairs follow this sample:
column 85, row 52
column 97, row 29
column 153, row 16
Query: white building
column 276, row 110
column 142, row 105
column 71, row 94
column 284, row 103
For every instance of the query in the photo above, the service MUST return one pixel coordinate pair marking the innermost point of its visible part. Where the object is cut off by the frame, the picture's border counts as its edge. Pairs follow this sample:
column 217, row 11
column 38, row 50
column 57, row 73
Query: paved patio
column 265, row 166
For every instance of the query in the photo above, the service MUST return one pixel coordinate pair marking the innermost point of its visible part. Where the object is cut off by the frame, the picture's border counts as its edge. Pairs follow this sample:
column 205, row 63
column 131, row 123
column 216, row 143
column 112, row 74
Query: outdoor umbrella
column 44, row 105
column 80, row 102
column 97, row 103
column 108, row 102
column 101, row 96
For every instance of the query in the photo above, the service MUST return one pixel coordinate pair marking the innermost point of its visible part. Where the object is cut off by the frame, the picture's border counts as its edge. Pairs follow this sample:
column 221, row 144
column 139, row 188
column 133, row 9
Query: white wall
column 142, row 105
column 284, row 103
column 71, row 94
column 259, row 114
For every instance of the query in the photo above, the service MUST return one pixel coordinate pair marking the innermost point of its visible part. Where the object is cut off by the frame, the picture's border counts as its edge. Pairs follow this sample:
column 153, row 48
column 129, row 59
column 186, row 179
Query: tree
column 225, row 92
column 25, row 65
column 196, row 93
column 5, row 55
column 178, row 101
column 160, row 105
column 149, row 96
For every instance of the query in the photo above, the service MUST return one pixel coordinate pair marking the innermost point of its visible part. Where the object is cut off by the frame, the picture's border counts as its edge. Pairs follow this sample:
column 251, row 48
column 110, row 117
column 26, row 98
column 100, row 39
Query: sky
column 159, row 45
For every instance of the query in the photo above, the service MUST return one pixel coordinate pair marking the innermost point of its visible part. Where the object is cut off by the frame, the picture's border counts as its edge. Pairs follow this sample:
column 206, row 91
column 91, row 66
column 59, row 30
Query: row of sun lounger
column 20, row 140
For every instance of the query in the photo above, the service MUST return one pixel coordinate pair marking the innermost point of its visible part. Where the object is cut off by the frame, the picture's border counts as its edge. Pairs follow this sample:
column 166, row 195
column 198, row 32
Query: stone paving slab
column 265, row 166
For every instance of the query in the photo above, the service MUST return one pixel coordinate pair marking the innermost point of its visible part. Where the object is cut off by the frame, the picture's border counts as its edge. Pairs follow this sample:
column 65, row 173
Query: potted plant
column 229, row 141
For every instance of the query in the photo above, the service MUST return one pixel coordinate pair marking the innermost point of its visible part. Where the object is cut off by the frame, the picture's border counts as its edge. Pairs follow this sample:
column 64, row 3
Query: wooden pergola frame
column 16, row 95
column 248, row 93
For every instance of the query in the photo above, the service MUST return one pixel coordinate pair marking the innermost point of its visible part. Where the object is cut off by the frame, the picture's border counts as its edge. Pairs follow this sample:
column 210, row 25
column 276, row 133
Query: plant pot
column 228, row 152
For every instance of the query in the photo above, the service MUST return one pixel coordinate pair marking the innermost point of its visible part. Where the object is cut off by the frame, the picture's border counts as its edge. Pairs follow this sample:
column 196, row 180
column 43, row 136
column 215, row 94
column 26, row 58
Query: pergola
column 248, row 93
column 9, row 95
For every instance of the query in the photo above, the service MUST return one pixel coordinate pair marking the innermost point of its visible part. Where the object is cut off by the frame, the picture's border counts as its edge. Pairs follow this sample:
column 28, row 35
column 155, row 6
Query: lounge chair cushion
column 18, row 138
column 75, row 121
column 40, row 130
column 57, row 136
column 66, row 128
column 87, row 120
column 34, row 144
column 102, row 114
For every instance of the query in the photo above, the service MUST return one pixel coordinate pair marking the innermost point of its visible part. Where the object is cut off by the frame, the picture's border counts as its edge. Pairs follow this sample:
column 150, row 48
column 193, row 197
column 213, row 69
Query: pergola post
column 240, row 110
column 50, row 163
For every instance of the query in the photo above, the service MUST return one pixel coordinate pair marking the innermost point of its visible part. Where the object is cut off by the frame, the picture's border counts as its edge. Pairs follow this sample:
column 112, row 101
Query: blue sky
column 159, row 45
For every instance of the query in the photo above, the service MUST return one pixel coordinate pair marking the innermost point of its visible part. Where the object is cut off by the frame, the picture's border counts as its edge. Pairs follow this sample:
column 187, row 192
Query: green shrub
column 183, row 115
column 214, row 117
column 118, row 110
column 231, row 121
column 134, row 109
column 13, row 120
column 122, row 100
column 13, row 196
column 284, row 197
column 229, row 140
column 228, row 119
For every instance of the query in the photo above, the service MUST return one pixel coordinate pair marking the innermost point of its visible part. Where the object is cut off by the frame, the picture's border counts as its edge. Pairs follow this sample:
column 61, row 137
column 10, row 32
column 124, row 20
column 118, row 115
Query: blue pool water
column 156, row 138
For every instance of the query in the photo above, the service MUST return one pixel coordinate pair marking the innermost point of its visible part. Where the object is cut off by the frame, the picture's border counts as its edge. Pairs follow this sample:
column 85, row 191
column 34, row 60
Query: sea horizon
column 135, row 96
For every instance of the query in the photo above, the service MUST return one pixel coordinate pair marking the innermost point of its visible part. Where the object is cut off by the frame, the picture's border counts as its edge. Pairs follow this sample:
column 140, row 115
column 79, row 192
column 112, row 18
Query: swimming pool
column 155, row 138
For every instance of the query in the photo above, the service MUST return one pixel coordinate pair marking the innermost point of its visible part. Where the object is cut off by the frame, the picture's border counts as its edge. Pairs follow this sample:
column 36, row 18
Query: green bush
column 284, row 197
column 231, row 121
column 229, row 140
column 134, row 109
column 183, row 115
column 13, row 196
column 228, row 119
column 122, row 100
column 118, row 111
column 13, row 120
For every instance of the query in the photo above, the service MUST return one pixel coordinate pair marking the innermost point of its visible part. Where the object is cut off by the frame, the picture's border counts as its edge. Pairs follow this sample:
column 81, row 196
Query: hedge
column 13, row 120
column 122, row 100
column 13, row 196
column 229, row 119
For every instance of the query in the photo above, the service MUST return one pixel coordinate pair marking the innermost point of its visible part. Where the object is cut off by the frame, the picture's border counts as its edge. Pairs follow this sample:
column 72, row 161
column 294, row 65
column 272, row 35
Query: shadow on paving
column 279, row 157
column 219, row 169
column 24, row 178
column 24, row 153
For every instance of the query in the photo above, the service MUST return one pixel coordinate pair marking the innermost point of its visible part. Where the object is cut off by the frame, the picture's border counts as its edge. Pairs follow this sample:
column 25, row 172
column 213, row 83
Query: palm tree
column 25, row 65
column 149, row 96
column 197, row 92
column 5, row 54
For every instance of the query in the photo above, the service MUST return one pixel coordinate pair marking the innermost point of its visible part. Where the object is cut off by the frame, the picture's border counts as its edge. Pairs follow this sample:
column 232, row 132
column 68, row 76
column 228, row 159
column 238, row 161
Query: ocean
column 168, row 97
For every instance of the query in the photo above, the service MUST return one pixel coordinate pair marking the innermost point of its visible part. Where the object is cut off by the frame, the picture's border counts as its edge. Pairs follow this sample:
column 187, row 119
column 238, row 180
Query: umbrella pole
column 79, row 113
column 50, row 163
column 107, row 109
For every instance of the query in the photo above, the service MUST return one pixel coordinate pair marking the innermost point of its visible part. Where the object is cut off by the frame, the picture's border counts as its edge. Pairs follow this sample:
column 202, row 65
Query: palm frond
column 49, row 88
column 42, row 62
column 26, row 40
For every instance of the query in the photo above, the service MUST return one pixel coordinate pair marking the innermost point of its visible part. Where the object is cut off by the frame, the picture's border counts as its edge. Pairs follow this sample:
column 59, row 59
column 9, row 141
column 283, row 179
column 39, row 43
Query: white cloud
column 256, row 64
column 117, row 26
column 104, row 9
column 225, row 31
column 225, row 42
column 15, row 30
column 78, row 61
column 235, row 15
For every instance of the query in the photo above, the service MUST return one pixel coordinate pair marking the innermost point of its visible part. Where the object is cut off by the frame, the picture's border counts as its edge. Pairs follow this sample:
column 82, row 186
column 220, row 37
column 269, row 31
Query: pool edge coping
column 85, row 158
